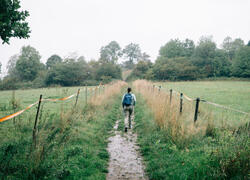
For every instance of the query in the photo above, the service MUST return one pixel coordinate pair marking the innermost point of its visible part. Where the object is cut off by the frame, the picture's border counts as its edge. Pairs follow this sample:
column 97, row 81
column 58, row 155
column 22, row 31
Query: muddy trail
column 125, row 161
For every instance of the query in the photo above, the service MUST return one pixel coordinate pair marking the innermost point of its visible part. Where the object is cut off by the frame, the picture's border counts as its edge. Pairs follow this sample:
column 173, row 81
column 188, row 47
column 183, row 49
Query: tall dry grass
column 167, row 115
column 102, row 96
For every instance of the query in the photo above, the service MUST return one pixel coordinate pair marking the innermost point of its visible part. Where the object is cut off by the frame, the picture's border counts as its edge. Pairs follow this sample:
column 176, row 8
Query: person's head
column 129, row 90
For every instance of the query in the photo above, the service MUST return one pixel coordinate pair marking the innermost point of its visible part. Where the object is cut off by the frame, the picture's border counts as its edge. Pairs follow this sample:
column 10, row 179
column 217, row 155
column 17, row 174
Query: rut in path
column 125, row 161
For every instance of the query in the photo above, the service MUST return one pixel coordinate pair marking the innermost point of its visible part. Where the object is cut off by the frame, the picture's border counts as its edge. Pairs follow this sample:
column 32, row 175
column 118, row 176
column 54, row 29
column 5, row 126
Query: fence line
column 51, row 100
column 225, row 107
column 202, row 100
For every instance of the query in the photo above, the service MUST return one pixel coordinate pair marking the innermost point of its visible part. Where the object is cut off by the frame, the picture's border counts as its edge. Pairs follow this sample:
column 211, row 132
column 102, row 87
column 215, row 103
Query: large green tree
column 204, row 55
column 11, row 65
column 52, row 60
column 70, row 72
column 132, row 52
column 241, row 63
column 232, row 46
column 177, row 48
column 12, row 20
column 172, row 49
column 188, row 47
column 111, row 52
column 28, row 64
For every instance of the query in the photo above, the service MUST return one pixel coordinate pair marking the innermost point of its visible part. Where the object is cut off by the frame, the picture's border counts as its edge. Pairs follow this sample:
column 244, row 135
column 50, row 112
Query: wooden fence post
column 77, row 96
column 181, row 101
column 14, row 104
column 86, row 95
column 196, row 109
column 171, row 91
column 153, row 88
column 37, row 114
column 159, row 89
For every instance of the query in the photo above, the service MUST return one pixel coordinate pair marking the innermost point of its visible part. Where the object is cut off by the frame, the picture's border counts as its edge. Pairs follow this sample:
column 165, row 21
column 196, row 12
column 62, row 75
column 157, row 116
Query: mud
column 125, row 161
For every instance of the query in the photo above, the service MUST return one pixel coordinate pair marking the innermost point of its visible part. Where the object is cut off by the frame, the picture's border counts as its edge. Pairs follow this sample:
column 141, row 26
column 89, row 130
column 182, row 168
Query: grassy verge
column 71, row 144
column 220, row 154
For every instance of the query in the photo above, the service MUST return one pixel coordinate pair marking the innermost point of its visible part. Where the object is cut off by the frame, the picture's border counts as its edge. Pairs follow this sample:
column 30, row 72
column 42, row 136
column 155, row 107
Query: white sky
column 83, row 26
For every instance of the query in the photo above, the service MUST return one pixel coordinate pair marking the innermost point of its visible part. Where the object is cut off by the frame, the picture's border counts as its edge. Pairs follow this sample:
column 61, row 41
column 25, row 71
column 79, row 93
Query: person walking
column 128, row 103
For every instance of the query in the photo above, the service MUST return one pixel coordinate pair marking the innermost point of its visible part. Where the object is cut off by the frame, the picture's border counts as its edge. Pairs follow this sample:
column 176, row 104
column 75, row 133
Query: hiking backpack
column 127, row 101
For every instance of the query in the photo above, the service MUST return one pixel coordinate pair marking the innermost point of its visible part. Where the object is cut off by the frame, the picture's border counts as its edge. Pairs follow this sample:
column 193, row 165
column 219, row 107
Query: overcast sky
column 83, row 26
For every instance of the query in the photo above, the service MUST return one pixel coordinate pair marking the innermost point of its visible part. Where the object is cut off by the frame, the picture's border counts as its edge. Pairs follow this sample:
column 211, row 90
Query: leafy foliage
column 231, row 47
column 12, row 20
column 132, row 52
column 68, row 73
column 28, row 63
column 181, row 60
column 241, row 64
column 54, row 59
column 179, row 68
column 108, row 71
column 111, row 52
column 176, row 48
column 140, row 70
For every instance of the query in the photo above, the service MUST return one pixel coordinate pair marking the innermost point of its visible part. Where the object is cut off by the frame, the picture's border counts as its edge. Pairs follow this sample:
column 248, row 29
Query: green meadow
column 12, row 101
column 232, row 94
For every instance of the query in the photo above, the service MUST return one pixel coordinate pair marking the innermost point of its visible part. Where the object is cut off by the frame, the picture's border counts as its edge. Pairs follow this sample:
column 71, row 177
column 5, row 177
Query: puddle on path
column 125, row 161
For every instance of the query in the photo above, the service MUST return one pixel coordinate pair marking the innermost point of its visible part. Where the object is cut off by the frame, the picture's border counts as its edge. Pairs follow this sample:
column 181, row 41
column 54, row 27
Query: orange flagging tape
column 60, row 99
column 17, row 113
column 21, row 111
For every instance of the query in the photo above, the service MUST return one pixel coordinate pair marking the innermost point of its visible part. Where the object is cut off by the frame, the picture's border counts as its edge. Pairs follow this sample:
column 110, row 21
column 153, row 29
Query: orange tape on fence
column 60, row 99
column 21, row 111
column 17, row 113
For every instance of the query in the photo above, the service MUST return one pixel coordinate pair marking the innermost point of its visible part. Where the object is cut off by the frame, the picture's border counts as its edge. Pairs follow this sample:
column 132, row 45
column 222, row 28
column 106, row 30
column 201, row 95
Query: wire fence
column 93, row 92
column 197, row 102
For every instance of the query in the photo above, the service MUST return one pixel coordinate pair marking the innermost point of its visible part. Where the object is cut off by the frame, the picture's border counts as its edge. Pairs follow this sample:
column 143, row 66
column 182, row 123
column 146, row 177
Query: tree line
column 183, row 60
column 177, row 60
column 26, row 69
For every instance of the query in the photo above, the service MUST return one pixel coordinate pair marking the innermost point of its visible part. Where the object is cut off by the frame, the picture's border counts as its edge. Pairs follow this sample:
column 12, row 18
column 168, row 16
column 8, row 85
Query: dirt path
column 125, row 161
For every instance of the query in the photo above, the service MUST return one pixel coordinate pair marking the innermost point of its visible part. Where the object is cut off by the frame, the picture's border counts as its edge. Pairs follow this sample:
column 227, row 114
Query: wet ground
column 125, row 161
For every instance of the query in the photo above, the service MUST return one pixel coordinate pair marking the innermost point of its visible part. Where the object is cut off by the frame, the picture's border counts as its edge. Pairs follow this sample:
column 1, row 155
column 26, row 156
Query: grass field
column 233, row 94
column 23, row 98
